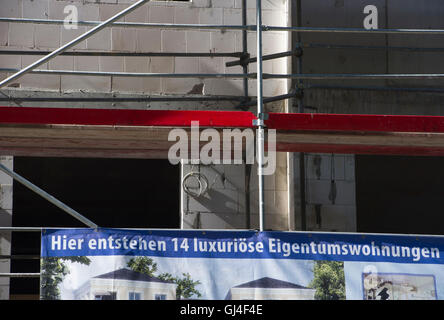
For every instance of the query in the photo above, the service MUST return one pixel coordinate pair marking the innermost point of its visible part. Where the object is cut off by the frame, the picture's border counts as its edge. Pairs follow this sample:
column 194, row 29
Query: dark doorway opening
column 115, row 193
column 396, row 194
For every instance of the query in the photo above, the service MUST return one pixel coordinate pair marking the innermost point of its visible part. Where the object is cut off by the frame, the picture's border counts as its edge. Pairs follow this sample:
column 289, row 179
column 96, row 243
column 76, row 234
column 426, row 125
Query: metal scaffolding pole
column 124, row 54
column 48, row 197
column 245, row 54
column 232, row 27
column 19, row 275
column 70, row 44
column 121, row 99
column 298, row 88
column 135, row 74
column 356, row 30
column 135, row 24
column 260, row 117
column 264, row 76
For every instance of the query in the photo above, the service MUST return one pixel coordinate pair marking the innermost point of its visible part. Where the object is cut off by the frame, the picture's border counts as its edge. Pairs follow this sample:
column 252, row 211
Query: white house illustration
column 270, row 289
column 126, row 284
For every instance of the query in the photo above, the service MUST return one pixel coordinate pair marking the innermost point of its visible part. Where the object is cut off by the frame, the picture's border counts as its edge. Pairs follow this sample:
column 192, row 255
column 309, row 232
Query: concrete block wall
column 5, row 221
column 393, row 14
column 223, row 206
column 49, row 37
column 329, row 192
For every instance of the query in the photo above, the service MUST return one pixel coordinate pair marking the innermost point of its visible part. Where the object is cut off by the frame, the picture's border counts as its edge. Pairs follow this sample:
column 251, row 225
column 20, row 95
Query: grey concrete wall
column 408, row 14
column 49, row 37
column 322, row 214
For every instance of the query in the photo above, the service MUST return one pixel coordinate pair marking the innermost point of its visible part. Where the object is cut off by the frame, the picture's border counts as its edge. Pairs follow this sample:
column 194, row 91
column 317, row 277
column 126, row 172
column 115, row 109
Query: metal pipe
column 353, row 76
column 260, row 116
column 134, row 24
column 71, row 43
column 136, row 74
column 244, row 48
column 231, row 27
column 377, row 88
column 297, row 68
column 359, row 47
column 265, row 76
column 48, row 197
column 121, row 99
column 356, row 30
column 125, row 54
column 20, row 257
column 19, row 275
column 21, row 229
column 247, row 195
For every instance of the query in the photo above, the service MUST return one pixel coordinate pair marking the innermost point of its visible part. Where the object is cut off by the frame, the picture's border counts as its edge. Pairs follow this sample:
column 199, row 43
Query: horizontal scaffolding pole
column 355, row 76
column 135, row 74
column 19, row 275
column 134, row 24
column 125, row 54
column 233, row 27
column 359, row 47
column 20, row 257
column 356, row 30
column 21, row 229
column 313, row 76
column 376, row 88
column 121, row 99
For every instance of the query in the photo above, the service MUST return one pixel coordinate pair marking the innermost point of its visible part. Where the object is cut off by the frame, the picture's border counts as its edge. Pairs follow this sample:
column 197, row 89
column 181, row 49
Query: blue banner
column 243, row 244
column 204, row 264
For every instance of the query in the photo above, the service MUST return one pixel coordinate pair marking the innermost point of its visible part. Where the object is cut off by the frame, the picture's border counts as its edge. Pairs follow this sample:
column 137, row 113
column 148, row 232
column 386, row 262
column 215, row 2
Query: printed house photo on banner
column 399, row 287
column 140, row 278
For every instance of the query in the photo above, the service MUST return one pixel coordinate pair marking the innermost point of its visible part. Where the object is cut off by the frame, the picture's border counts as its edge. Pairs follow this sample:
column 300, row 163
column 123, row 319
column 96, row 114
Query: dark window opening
column 396, row 194
column 115, row 193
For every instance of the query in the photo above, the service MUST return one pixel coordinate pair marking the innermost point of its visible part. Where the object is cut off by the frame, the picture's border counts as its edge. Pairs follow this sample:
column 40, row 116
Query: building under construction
column 90, row 91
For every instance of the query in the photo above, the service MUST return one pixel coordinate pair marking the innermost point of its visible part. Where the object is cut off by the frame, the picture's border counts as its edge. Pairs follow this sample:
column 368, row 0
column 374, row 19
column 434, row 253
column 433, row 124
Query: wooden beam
column 144, row 133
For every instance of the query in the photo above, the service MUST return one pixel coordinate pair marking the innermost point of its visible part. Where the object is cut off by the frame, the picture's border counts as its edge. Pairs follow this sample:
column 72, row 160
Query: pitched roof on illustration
column 267, row 282
column 128, row 274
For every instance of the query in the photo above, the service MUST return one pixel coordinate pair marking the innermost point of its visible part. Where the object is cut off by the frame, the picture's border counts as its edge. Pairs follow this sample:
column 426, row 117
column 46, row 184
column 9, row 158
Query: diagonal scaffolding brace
column 72, row 43
column 48, row 197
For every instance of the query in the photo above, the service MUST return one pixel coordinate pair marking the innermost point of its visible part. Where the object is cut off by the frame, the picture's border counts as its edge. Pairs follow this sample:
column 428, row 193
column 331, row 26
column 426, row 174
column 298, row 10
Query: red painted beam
column 228, row 119
column 124, row 117
column 355, row 122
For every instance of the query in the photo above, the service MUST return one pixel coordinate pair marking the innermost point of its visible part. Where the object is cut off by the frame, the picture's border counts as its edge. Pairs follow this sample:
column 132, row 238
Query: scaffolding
column 243, row 60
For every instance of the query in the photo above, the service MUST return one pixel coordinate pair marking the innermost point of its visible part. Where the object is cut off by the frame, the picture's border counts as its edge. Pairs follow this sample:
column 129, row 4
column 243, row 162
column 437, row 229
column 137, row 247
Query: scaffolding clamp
column 260, row 121
column 298, row 50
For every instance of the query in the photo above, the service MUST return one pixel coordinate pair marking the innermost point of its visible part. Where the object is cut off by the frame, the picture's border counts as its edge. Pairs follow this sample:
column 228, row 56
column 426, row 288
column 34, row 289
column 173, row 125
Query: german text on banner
column 215, row 265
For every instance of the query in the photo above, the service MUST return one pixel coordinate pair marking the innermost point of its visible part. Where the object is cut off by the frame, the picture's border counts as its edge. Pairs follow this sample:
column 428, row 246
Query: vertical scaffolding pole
column 260, row 116
column 70, row 44
column 245, row 47
column 297, row 69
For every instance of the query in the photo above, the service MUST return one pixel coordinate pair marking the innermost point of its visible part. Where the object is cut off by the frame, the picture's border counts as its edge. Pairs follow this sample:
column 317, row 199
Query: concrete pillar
column 5, row 221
